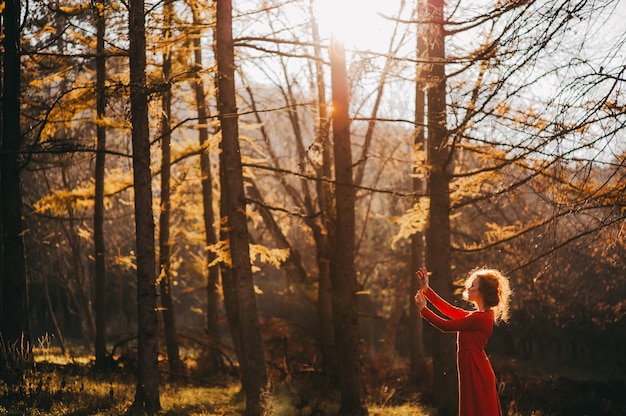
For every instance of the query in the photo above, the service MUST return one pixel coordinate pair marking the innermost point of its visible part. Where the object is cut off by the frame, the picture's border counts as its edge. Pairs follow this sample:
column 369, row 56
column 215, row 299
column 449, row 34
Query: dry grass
column 61, row 385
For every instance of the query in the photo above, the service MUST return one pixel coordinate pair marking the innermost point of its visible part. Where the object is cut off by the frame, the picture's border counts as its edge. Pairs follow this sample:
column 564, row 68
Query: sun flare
column 356, row 23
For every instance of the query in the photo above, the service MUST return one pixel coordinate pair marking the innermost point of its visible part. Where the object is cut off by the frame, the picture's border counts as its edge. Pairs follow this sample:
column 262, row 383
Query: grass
column 70, row 386
column 79, row 395
column 61, row 385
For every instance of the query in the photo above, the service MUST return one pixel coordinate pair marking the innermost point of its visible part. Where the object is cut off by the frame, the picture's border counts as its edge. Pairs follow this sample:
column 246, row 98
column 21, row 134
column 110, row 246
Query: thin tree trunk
column 98, row 215
column 438, row 253
column 343, row 274
column 54, row 316
column 325, row 234
column 14, row 326
column 252, row 359
column 418, row 247
column 147, row 392
column 213, row 273
column 165, row 276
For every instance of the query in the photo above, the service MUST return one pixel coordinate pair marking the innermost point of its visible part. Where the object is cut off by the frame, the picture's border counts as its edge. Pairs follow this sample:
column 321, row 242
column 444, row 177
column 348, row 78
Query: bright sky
column 357, row 23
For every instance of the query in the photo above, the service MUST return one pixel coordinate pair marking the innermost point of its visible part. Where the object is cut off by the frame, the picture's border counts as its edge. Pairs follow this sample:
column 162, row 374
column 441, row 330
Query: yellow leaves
column 412, row 221
column 74, row 105
column 188, row 146
column 126, row 262
column 110, row 122
column 472, row 186
column 117, row 180
column 73, row 10
column 119, row 78
column 496, row 232
column 221, row 249
column 420, row 169
column 52, row 79
column 265, row 255
column 63, row 201
column 85, row 233
column 502, row 109
column 271, row 256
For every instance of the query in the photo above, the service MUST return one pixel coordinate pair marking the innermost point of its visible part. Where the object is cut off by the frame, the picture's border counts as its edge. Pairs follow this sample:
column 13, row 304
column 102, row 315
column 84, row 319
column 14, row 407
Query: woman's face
column 473, row 294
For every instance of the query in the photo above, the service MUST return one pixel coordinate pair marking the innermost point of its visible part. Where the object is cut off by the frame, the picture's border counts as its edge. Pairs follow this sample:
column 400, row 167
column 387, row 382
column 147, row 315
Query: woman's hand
column 420, row 300
column 422, row 278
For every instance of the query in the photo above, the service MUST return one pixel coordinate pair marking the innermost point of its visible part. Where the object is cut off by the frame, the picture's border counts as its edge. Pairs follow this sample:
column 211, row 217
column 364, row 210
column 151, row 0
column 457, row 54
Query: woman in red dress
column 489, row 291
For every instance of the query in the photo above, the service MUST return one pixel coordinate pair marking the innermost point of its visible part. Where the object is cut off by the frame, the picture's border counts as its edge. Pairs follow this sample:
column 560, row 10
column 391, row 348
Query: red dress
column 477, row 382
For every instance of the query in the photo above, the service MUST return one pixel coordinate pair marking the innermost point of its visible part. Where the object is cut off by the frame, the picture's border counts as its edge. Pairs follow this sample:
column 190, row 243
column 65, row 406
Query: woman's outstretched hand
column 420, row 300
column 422, row 278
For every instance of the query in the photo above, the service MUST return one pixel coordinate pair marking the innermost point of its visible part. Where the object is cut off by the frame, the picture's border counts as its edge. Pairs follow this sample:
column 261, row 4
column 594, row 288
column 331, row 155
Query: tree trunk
column 324, row 234
column 252, row 358
column 343, row 275
column 165, row 276
column 53, row 316
column 98, row 214
column 147, row 393
column 438, row 254
column 213, row 272
column 418, row 247
column 14, row 326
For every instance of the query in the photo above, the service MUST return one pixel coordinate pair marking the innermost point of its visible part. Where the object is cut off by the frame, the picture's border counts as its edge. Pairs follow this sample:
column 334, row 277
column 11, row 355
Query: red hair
column 495, row 290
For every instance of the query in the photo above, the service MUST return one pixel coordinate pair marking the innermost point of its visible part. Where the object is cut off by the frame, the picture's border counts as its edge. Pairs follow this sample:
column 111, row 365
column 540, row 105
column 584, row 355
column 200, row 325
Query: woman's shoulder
column 483, row 315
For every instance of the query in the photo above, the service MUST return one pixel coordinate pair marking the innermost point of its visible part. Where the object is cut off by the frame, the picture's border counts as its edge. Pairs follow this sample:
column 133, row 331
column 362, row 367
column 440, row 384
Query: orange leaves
column 412, row 221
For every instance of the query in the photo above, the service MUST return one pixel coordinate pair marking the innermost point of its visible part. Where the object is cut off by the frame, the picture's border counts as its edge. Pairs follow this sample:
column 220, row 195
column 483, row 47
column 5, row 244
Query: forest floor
column 62, row 386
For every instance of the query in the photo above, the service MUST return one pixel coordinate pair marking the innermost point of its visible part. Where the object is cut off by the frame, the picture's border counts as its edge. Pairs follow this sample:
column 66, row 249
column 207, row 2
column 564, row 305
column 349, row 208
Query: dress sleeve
column 471, row 322
column 444, row 307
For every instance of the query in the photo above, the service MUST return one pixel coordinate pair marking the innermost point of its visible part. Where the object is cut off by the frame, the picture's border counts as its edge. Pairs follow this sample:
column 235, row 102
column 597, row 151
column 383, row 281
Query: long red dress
column 477, row 382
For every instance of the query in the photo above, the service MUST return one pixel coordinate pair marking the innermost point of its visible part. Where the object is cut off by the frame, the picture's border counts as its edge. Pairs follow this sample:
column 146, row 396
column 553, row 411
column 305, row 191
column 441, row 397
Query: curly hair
column 495, row 290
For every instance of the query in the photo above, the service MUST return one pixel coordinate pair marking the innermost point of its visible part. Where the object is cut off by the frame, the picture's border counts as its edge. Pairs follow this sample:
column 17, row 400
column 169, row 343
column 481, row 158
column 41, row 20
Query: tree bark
column 418, row 246
column 14, row 325
column 98, row 214
column 251, row 358
column 324, row 234
column 213, row 272
column 147, row 393
column 438, row 253
column 165, row 275
column 343, row 274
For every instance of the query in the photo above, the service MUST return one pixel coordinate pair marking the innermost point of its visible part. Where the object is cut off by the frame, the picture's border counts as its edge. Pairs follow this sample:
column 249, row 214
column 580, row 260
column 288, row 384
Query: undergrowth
column 58, row 386
column 64, row 386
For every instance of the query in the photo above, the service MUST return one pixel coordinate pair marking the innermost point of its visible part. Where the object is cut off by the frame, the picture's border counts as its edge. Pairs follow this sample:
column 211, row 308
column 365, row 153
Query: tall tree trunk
column 98, row 214
column 418, row 247
column 213, row 272
column 147, row 393
column 165, row 276
column 325, row 233
column 14, row 326
column 252, row 358
column 343, row 275
column 438, row 254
